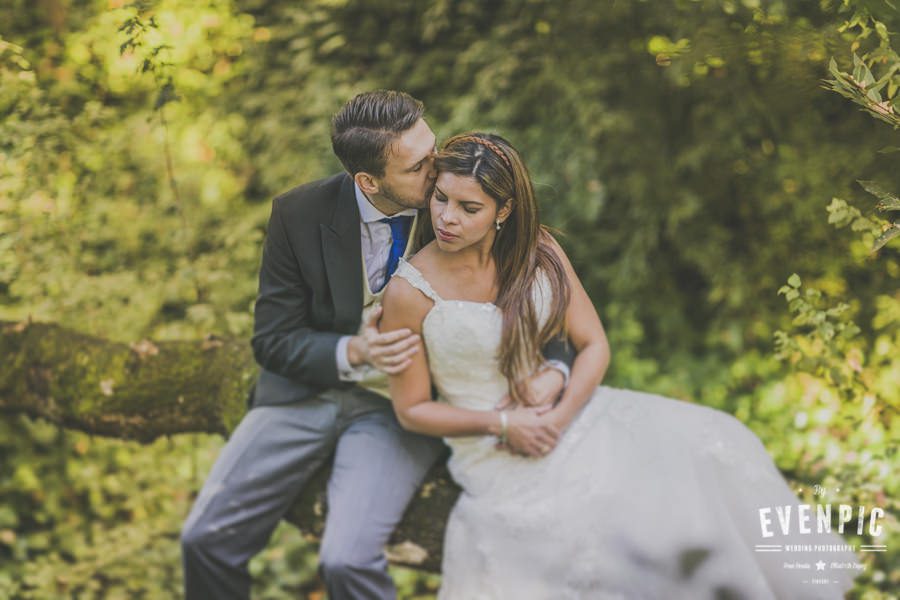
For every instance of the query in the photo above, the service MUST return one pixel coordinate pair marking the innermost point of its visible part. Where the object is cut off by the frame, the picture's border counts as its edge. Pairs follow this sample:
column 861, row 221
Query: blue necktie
column 399, row 235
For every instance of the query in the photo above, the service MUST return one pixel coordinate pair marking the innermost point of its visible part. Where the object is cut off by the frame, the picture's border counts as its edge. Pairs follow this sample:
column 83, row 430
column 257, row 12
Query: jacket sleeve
column 559, row 348
column 283, row 340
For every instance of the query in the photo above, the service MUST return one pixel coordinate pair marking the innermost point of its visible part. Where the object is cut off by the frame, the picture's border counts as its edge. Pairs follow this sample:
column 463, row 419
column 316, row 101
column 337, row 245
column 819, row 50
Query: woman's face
column 462, row 213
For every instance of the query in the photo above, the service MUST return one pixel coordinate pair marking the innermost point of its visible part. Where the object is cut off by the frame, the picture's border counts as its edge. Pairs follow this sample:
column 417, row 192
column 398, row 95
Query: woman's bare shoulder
column 428, row 262
column 404, row 305
column 425, row 259
column 399, row 293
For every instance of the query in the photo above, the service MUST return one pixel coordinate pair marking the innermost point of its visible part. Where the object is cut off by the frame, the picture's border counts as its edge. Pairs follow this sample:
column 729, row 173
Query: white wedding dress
column 644, row 497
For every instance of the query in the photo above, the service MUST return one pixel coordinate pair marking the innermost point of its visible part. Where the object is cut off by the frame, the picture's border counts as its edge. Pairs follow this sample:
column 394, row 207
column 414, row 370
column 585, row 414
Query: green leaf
column 794, row 280
column 889, row 234
column 862, row 224
column 861, row 72
column 888, row 202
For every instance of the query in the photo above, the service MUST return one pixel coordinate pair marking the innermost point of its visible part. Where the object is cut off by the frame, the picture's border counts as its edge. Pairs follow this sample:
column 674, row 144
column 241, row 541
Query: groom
column 322, row 394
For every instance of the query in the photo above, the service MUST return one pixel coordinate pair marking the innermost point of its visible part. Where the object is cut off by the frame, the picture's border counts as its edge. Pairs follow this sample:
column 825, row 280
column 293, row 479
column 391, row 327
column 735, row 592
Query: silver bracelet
column 504, row 424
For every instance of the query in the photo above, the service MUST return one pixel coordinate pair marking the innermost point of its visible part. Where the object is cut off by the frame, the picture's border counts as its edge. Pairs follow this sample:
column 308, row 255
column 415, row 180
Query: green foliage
column 82, row 517
column 101, row 239
column 849, row 402
column 878, row 97
column 841, row 214
column 685, row 148
column 856, row 378
column 888, row 202
column 863, row 89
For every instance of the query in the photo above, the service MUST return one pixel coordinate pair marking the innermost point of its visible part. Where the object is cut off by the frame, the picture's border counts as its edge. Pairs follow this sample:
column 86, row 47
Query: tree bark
column 145, row 390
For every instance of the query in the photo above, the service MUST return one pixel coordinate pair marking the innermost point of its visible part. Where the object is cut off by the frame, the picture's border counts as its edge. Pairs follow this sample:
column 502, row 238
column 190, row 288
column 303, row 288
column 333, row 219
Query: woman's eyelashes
column 470, row 208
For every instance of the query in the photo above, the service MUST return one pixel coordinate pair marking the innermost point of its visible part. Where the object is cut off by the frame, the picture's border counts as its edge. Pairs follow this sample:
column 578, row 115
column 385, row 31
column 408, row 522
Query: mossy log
column 145, row 390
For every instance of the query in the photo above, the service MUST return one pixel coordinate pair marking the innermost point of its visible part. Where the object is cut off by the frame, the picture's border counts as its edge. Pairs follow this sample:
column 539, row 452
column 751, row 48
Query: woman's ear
column 367, row 183
column 504, row 211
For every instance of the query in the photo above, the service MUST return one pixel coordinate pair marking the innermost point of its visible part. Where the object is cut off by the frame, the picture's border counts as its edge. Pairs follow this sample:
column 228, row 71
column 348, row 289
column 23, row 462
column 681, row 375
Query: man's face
column 409, row 174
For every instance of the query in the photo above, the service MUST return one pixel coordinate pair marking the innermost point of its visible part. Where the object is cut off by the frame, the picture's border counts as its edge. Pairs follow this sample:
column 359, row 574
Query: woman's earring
column 497, row 223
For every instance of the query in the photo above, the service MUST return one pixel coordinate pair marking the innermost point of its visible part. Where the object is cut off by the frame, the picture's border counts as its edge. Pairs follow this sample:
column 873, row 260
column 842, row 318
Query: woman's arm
column 406, row 307
column 589, row 338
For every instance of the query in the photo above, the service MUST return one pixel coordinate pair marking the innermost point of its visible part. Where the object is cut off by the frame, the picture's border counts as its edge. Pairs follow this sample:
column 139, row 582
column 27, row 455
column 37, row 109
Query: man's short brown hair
column 362, row 131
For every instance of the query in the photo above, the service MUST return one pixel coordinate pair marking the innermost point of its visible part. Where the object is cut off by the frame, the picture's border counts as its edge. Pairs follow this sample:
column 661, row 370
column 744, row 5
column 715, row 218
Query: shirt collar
column 369, row 214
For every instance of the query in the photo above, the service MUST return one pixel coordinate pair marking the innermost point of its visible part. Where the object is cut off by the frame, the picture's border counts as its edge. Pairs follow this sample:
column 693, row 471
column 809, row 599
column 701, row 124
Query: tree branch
column 145, row 390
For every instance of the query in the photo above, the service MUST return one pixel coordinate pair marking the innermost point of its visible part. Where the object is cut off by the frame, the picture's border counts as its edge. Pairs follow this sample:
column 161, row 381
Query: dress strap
column 416, row 279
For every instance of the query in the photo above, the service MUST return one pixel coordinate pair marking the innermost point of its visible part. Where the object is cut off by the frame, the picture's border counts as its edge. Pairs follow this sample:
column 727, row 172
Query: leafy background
column 706, row 181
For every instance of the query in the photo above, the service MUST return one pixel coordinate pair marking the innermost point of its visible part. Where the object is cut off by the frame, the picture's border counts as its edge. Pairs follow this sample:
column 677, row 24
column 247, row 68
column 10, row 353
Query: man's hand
column 389, row 352
column 530, row 432
column 541, row 389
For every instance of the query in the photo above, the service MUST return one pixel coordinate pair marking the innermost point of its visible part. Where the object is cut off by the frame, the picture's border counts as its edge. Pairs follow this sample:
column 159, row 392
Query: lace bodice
column 463, row 340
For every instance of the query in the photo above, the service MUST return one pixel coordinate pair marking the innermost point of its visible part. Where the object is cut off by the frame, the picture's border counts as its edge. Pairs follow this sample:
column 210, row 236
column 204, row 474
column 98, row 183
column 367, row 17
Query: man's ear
column 367, row 183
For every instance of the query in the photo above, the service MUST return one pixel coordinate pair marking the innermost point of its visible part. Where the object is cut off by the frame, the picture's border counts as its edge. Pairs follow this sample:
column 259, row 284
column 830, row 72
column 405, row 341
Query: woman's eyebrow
column 475, row 202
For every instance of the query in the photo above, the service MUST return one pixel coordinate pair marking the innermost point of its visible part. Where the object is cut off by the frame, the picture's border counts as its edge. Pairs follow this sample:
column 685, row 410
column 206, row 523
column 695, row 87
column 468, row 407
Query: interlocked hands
column 531, row 430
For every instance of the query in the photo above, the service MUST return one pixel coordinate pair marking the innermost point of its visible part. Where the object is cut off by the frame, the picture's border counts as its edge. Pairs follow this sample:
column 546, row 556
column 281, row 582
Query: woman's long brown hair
column 522, row 250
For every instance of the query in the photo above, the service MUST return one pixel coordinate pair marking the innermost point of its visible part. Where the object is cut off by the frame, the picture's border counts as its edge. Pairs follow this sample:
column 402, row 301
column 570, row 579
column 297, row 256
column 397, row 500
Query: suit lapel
column 342, row 254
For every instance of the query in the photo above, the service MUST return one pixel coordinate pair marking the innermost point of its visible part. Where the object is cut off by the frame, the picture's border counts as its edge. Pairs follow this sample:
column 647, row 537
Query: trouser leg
column 258, row 474
column 377, row 468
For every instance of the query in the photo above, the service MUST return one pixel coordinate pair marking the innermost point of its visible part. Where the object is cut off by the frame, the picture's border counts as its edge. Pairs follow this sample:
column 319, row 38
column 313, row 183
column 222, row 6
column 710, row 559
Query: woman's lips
column 446, row 236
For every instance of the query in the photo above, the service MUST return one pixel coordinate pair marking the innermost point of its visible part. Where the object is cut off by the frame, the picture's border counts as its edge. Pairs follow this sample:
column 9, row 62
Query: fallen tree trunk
column 146, row 390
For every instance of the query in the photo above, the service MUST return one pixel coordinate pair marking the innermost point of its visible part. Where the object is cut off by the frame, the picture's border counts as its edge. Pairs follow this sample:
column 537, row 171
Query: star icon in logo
column 820, row 566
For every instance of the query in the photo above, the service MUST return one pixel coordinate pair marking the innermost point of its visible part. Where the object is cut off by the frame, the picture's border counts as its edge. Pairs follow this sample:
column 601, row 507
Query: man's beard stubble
column 406, row 202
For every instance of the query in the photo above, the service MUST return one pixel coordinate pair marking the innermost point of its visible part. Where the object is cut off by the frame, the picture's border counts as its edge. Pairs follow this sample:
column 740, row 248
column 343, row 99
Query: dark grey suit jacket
column 310, row 291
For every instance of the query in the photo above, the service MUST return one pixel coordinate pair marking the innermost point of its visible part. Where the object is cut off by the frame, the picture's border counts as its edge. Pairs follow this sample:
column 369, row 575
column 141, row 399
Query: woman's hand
column 530, row 431
column 541, row 389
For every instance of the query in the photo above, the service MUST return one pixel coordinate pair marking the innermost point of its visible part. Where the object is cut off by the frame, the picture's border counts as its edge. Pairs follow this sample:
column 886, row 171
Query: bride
column 610, row 493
